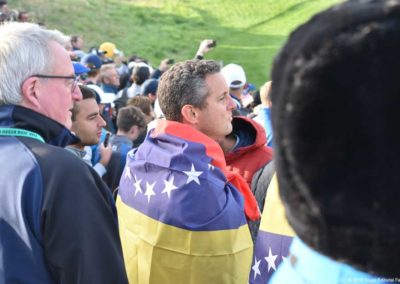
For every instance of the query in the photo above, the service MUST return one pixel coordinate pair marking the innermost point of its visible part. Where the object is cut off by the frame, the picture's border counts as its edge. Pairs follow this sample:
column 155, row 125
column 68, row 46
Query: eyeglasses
column 74, row 84
column 83, row 77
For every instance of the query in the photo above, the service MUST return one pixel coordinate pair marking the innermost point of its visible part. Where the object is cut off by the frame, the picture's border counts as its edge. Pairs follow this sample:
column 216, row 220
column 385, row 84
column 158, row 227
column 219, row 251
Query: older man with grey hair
column 57, row 218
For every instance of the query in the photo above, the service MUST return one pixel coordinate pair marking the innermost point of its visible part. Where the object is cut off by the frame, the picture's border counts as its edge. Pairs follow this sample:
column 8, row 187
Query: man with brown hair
column 181, row 212
column 131, row 122
column 87, row 124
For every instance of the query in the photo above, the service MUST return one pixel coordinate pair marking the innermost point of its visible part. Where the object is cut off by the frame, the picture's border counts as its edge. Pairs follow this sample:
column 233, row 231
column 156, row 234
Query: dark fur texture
column 336, row 118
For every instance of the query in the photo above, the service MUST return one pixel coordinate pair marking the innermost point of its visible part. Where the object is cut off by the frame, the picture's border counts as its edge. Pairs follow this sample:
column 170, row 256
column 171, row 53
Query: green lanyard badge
column 20, row 132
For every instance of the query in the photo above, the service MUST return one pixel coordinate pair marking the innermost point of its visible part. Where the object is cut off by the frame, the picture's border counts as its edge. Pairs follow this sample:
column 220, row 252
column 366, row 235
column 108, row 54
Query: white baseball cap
column 105, row 98
column 234, row 75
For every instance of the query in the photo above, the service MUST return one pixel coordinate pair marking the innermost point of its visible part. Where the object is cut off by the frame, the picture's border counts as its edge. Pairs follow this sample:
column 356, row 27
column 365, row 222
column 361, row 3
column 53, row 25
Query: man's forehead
column 61, row 59
column 86, row 105
column 216, row 82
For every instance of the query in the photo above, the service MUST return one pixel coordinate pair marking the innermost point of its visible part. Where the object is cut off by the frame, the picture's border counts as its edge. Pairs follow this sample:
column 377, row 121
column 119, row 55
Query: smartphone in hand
column 212, row 44
column 106, row 140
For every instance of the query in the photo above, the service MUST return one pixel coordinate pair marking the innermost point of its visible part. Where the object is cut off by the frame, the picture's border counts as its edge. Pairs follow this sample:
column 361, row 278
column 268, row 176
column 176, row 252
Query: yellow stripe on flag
column 273, row 218
column 158, row 253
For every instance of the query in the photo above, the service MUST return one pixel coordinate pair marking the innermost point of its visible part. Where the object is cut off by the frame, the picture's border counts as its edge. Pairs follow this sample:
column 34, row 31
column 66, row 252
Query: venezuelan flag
column 180, row 219
column 274, row 237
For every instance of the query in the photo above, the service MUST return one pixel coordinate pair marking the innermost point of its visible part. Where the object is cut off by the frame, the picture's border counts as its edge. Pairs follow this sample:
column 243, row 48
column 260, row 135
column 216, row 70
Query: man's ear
column 29, row 93
column 152, row 97
column 189, row 114
column 134, row 132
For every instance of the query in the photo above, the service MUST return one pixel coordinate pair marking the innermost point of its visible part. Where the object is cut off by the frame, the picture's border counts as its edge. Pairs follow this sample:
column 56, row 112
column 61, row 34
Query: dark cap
column 335, row 114
column 149, row 87
column 92, row 61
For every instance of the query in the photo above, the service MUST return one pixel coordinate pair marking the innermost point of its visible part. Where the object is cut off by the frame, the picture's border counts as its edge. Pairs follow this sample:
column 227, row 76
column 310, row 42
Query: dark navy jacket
column 57, row 218
column 121, row 145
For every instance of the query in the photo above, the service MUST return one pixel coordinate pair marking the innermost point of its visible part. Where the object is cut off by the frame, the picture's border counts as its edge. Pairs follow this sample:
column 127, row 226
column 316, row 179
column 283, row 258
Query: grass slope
column 248, row 33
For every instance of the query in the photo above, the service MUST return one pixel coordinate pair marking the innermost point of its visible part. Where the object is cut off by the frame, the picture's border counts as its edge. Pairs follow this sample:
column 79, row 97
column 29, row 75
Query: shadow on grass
column 255, row 52
column 290, row 10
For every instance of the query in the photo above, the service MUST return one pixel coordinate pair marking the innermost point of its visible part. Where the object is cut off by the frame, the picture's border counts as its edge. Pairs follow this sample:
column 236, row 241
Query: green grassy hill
column 248, row 33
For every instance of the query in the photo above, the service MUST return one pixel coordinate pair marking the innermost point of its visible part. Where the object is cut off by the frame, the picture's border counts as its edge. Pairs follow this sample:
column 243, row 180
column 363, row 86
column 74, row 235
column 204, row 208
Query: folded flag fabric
column 274, row 237
column 180, row 219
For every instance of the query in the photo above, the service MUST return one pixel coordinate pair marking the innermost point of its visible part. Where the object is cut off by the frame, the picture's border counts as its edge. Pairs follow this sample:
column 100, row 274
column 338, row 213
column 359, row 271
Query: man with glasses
column 57, row 218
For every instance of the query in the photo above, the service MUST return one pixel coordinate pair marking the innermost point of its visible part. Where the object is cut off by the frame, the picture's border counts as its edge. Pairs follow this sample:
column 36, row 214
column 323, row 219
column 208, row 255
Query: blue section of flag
column 173, row 180
column 269, row 252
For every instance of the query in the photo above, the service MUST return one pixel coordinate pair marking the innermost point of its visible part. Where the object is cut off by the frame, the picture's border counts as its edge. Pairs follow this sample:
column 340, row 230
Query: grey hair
column 24, row 51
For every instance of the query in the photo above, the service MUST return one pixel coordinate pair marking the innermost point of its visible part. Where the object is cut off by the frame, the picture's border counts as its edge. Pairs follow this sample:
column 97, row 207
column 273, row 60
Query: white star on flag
column 169, row 186
column 284, row 259
column 137, row 186
column 271, row 260
column 193, row 175
column 149, row 191
column 256, row 267
column 128, row 173
column 211, row 167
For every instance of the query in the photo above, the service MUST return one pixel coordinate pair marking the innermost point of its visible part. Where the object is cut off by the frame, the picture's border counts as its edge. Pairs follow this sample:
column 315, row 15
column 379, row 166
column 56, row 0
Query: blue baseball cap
column 80, row 69
column 92, row 61
column 149, row 87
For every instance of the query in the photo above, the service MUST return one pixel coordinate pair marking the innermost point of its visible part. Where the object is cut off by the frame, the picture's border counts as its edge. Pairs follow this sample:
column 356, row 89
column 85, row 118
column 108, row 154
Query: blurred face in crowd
column 112, row 77
column 23, row 17
column 88, row 122
column 54, row 97
column 4, row 9
column 150, row 117
column 78, row 43
column 215, row 119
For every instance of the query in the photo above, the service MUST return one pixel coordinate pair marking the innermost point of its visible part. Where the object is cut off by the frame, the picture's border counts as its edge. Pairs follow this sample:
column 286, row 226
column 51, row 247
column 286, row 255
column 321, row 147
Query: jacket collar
column 51, row 131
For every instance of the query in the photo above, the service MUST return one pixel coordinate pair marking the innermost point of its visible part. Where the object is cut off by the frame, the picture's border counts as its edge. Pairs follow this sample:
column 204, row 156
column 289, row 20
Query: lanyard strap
column 20, row 132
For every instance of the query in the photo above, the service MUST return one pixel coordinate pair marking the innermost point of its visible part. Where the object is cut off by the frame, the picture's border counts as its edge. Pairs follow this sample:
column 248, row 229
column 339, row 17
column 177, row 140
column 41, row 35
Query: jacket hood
column 251, row 135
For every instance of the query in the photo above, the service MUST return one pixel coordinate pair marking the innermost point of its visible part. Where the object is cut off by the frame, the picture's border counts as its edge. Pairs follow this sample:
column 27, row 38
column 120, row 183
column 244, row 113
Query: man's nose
column 102, row 122
column 77, row 94
column 231, row 104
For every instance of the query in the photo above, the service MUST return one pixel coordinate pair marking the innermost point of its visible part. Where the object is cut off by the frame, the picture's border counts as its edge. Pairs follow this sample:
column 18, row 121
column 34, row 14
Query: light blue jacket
column 305, row 265
column 264, row 118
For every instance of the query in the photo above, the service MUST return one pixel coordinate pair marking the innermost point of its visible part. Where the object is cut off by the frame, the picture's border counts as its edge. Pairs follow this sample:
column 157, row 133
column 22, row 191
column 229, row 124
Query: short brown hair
column 142, row 102
column 130, row 116
column 87, row 93
column 184, row 84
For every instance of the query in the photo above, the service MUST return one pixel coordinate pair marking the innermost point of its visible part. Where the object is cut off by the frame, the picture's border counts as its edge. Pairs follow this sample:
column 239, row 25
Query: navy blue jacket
column 57, row 218
column 121, row 145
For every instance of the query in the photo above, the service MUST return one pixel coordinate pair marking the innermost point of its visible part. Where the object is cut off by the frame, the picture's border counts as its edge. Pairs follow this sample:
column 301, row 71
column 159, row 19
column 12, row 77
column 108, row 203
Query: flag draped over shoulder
column 274, row 237
column 180, row 220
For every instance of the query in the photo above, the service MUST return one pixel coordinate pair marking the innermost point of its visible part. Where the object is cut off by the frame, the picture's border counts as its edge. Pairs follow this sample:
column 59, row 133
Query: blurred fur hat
column 336, row 119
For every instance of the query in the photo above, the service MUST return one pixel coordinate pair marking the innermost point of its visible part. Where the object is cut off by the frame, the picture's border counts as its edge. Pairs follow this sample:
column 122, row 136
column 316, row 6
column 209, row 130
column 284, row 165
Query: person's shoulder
column 62, row 169
column 58, row 159
column 60, row 152
column 266, row 150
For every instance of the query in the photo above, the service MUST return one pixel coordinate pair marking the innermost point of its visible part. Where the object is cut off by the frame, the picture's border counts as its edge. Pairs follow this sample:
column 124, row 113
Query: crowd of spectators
column 169, row 173
column 13, row 15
